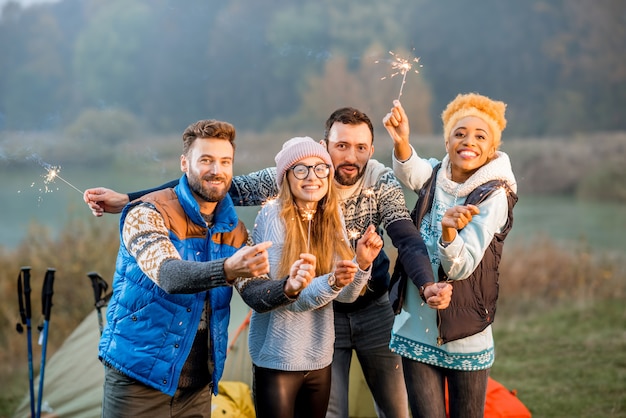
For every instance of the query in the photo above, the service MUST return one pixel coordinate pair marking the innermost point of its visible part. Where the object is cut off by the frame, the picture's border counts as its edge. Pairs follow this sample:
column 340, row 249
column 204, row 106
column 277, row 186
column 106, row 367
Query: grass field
column 568, row 360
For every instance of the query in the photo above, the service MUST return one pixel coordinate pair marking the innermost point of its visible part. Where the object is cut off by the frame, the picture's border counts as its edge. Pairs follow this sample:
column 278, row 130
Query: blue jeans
column 425, row 384
column 368, row 332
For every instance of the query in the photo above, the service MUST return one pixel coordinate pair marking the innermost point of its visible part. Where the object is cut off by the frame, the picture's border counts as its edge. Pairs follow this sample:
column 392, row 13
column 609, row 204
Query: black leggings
column 282, row 394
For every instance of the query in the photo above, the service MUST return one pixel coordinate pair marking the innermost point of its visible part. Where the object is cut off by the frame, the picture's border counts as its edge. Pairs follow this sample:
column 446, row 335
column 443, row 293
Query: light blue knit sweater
column 299, row 336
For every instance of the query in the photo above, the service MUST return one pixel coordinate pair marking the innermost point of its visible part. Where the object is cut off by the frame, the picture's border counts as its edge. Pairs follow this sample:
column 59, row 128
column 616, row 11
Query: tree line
column 284, row 64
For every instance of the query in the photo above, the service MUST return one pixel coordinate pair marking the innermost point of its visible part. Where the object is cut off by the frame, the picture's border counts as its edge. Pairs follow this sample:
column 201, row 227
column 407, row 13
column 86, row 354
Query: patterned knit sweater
column 299, row 336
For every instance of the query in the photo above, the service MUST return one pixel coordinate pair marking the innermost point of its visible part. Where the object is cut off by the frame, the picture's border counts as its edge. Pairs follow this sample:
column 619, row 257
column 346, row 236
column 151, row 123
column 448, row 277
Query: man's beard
column 208, row 194
column 349, row 181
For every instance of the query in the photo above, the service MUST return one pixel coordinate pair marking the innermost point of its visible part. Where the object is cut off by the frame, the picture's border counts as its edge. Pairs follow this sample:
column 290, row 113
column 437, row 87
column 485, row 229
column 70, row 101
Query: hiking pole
column 46, row 306
column 100, row 287
column 23, row 297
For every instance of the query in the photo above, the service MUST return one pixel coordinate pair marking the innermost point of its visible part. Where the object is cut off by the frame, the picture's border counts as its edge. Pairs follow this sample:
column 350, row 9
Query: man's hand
column 397, row 124
column 101, row 200
column 248, row 262
column 438, row 295
column 368, row 247
column 300, row 275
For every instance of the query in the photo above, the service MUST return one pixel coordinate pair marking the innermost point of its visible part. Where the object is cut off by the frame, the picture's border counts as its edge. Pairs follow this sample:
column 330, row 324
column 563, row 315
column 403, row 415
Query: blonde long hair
column 328, row 242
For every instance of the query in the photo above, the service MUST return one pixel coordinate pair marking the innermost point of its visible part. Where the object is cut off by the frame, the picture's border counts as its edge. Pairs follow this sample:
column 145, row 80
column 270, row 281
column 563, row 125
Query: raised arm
column 397, row 124
column 252, row 189
column 102, row 200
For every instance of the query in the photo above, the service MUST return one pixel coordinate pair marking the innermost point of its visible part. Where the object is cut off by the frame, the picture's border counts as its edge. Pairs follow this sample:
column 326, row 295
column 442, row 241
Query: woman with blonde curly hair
column 464, row 213
column 292, row 346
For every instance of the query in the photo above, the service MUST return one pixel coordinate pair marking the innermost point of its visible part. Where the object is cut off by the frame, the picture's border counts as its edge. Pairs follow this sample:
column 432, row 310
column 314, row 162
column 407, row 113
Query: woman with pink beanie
column 292, row 346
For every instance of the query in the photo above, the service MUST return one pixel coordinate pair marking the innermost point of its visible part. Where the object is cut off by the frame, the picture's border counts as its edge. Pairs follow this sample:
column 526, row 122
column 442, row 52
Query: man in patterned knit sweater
column 164, row 345
column 370, row 194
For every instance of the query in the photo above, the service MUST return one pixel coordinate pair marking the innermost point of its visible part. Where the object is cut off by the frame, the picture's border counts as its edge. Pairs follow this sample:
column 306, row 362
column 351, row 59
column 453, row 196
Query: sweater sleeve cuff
column 179, row 276
column 262, row 293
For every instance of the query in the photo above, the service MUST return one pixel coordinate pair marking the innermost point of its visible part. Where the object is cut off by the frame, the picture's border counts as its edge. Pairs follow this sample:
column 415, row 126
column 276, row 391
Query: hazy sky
column 25, row 2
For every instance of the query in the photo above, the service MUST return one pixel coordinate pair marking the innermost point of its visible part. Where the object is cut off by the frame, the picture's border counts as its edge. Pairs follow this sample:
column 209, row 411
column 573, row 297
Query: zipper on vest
column 439, row 339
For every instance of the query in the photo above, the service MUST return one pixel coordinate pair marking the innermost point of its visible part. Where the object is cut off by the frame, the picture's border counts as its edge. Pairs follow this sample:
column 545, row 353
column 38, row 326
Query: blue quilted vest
column 149, row 333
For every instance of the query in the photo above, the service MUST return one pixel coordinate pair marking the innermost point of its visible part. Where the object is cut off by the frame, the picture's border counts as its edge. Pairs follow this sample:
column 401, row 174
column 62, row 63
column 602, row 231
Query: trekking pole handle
column 27, row 290
column 99, row 286
column 23, row 283
column 46, row 293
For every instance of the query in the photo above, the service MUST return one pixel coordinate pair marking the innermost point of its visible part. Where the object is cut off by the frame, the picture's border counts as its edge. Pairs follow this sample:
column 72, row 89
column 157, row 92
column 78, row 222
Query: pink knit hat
column 297, row 149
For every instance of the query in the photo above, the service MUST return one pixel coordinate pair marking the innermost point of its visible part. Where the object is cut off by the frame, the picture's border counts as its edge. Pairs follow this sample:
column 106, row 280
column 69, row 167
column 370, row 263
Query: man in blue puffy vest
column 164, row 345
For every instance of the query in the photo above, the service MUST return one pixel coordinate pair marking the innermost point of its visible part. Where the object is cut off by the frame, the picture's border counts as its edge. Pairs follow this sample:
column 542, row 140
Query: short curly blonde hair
column 473, row 104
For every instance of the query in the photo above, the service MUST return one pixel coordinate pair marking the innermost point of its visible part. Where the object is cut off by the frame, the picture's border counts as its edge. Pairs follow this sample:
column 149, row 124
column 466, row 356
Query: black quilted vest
column 473, row 304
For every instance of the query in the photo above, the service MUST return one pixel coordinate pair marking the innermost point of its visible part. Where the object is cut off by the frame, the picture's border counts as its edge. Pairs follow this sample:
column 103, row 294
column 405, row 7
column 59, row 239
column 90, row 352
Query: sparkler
column 53, row 173
column 402, row 66
column 353, row 235
column 307, row 216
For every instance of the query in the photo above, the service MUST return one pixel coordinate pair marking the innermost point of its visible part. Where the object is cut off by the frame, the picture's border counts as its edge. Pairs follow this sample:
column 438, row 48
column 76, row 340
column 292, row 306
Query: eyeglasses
column 301, row 171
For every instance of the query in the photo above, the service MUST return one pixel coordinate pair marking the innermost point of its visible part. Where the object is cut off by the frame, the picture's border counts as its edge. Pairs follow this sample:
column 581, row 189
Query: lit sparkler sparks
column 307, row 216
column 402, row 66
column 53, row 173
column 353, row 235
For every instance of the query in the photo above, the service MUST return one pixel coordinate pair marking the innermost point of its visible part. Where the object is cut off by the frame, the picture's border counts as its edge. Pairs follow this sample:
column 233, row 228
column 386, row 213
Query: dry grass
column 81, row 248
column 541, row 274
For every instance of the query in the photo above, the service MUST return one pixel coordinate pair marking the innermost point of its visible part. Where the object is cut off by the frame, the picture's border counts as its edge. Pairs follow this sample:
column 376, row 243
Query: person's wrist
column 444, row 243
column 363, row 265
column 422, row 289
column 288, row 290
column 332, row 282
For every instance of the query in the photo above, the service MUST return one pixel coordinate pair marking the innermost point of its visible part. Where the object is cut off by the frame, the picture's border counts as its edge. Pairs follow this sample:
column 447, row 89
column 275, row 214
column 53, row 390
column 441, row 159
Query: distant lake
column 23, row 197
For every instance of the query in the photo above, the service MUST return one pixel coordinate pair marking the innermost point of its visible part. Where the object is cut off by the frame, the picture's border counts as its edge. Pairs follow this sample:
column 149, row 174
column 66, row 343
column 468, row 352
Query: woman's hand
column 397, row 124
column 301, row 273
column 345, row 270
column 456, row 218
column 368, row 247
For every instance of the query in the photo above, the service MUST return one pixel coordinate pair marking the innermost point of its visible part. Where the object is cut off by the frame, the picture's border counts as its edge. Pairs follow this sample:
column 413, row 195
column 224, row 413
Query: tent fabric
column 503, row 403
column 73, row 376
column 234, row 401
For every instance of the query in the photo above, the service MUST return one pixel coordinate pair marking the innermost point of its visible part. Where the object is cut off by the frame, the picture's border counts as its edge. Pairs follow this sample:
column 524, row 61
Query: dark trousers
column 467, row 390
column 127, row 398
